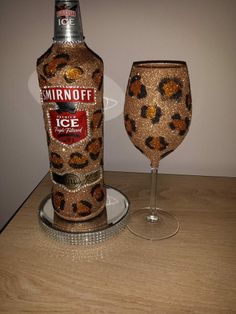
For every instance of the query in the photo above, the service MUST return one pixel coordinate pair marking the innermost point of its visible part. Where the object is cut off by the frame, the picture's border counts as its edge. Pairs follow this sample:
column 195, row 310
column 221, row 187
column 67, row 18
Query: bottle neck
column 68, row 23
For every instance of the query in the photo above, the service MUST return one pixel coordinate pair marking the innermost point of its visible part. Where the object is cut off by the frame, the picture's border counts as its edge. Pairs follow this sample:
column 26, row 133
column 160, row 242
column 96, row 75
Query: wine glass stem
column 153, row 216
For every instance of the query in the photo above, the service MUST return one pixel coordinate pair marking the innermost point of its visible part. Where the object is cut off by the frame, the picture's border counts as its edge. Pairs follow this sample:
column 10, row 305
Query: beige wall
column 201, row 32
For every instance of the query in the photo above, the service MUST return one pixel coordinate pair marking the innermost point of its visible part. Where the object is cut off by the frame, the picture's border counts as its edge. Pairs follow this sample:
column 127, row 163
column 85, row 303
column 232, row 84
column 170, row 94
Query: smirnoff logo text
column 66, row 13
column 65, row 94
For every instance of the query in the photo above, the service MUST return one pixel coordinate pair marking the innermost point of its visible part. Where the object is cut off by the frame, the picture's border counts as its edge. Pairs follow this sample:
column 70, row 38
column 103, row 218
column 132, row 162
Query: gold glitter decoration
column 156, row 144
column 135, row 87
column 58, row 62
column 179, row 124
column 73, row 65
column 151, row 112
column 171, row 88
column 73, row 74
column 167, row 86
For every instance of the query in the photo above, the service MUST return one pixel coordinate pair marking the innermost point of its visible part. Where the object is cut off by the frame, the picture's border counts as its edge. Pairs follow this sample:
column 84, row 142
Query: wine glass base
column 153, row 227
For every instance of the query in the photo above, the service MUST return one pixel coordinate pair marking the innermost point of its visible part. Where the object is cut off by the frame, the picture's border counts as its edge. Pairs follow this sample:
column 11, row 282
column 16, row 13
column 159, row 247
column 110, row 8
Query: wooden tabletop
column 193, row 272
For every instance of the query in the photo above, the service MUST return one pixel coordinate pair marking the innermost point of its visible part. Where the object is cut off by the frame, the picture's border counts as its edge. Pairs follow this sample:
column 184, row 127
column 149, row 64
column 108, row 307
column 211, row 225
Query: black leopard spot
column 57, row 63
column 156, row 143
column 78, row 161
column 58, row 201
column 84, row 208
column 98, row 193
column 171, row 88
column 189, row 102
column 179, row 124
column 94, row 148
column 151, row 112
column 136, row 88
column 56, row 160
column 130, row 125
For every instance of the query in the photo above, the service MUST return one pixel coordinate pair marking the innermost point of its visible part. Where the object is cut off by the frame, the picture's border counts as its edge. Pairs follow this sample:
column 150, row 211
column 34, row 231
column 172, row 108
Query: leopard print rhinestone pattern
column 72, row 66
column 158, row 107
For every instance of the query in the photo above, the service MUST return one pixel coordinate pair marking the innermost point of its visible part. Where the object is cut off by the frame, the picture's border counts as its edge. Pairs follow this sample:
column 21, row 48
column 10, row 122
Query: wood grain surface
column 193, row 272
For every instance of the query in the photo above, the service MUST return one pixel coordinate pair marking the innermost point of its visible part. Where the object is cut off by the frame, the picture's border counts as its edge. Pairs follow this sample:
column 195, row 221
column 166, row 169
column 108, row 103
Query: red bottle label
column 68, row 128
column 65, row 13
column 68, row 94
column 68, row 124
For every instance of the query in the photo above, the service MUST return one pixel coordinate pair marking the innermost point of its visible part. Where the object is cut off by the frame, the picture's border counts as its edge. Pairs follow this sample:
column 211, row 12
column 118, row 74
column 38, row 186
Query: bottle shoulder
column 69, row 63
column 79, row 51
column 96, row 56
column 44, row 56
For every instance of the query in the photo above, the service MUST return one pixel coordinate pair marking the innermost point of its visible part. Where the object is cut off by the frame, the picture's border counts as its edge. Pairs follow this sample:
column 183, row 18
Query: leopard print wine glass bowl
column 157, row 117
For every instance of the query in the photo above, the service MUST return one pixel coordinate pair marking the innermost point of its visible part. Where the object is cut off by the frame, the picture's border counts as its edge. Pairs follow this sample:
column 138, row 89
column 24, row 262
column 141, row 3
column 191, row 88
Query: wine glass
column 157, row 115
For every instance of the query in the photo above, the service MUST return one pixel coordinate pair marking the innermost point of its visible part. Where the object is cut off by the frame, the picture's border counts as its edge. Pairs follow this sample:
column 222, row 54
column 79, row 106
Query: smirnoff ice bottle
column 71, row 82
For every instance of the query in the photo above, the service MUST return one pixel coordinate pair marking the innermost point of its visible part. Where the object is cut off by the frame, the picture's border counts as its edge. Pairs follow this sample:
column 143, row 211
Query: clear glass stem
column 153, row 217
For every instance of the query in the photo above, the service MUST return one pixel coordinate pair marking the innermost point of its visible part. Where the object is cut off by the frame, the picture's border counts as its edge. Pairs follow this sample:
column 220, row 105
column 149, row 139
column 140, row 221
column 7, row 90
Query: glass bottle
column 71, row 83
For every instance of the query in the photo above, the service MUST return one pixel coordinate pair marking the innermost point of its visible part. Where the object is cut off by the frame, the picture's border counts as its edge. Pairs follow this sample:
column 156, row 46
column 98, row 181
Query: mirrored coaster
column 110, row 222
